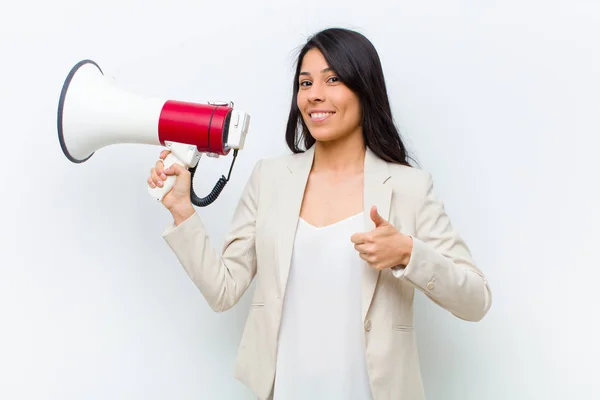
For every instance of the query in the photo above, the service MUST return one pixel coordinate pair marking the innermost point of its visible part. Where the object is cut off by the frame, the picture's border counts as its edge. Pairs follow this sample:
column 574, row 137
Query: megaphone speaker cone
column 94, row 113
column 61, row 108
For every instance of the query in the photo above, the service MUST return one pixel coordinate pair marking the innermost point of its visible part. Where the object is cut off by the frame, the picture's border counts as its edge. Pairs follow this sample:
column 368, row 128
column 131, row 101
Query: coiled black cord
column 219, row 186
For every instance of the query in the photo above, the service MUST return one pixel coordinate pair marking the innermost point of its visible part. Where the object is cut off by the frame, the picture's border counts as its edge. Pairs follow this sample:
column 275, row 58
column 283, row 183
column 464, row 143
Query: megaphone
column 93, row 113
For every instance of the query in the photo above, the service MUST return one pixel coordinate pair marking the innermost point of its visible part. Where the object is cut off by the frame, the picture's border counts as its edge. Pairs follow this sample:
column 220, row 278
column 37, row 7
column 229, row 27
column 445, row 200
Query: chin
column 329, row 135
column 325, row 136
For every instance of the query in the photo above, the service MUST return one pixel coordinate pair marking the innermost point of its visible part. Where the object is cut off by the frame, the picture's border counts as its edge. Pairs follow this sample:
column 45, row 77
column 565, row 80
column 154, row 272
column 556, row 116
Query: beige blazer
column 259, row 245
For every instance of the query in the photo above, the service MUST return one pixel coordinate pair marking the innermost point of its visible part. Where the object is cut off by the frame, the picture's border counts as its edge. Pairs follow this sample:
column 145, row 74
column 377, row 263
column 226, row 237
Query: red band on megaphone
column 202, row 125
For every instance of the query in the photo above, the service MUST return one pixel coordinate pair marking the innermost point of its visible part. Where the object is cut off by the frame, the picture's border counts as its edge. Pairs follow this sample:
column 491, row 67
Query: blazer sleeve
column 441, row 265
column 222, row 277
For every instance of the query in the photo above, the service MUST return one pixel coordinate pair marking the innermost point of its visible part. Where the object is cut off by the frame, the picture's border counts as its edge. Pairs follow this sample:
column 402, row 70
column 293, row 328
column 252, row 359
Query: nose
column 316, row 93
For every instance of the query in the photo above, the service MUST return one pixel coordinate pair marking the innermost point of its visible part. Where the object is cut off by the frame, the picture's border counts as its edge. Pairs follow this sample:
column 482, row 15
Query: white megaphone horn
column 94, row 113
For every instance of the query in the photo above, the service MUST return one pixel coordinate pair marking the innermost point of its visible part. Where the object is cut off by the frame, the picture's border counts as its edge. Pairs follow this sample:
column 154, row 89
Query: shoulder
column 413, row 179
column 270, row 167
column 411, row 186
column 279, row 160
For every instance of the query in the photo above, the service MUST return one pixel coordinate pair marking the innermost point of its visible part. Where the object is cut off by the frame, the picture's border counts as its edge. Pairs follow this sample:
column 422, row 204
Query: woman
column 338, row 235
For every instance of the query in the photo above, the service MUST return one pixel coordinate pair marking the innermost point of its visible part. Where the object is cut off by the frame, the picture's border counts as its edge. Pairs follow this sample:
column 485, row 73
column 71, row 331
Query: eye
column 305, row 83
column 333, row 79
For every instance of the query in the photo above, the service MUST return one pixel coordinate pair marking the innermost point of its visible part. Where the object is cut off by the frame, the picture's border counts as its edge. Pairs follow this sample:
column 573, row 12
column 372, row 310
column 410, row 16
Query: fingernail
column 163, row 176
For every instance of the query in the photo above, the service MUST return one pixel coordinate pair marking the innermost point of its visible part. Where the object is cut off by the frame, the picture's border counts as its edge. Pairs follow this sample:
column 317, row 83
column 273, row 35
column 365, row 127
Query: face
column 330, row 110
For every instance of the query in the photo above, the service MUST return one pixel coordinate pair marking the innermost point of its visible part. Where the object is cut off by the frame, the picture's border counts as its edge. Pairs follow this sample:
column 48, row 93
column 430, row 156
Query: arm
column 222, row 278
column 441, row 265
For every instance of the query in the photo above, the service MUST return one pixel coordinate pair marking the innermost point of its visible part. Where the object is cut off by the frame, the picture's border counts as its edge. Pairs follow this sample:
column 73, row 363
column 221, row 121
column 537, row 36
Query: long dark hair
column 356, row 62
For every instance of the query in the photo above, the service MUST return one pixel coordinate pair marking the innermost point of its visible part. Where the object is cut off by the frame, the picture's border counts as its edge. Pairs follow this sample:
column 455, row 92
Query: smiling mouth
column 320, row 116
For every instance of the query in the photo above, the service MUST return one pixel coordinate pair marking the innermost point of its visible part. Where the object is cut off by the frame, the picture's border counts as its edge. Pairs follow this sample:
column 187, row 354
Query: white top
column 321, row 351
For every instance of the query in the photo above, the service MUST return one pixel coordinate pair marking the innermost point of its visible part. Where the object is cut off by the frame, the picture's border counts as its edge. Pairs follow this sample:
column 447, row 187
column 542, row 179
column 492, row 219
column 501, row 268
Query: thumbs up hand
column 383, row 247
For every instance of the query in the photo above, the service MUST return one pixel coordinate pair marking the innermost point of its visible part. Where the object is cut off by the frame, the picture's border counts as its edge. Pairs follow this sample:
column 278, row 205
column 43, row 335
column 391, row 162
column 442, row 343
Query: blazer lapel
column 376, row 193
column 292, row 192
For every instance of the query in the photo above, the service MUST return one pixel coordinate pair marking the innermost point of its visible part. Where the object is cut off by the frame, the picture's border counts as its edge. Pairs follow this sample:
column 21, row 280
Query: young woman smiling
column 338, row 235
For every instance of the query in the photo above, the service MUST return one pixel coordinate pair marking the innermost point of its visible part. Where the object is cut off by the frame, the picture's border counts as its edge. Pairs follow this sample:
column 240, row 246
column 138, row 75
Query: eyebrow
column 322, row 71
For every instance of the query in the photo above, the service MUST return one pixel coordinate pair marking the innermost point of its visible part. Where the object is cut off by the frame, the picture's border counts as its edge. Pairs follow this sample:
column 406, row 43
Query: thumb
column 175, row 169
column 377, row 219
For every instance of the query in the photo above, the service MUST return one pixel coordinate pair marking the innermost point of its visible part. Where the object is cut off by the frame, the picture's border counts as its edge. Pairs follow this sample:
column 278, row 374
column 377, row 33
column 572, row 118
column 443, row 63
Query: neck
column 347, row 155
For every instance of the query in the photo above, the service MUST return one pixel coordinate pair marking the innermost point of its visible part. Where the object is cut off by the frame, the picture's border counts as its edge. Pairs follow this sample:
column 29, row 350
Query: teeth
column 320, row 115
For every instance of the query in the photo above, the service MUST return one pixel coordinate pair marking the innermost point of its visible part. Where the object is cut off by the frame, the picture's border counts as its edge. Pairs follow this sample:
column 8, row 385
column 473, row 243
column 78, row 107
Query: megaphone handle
column 159, row 192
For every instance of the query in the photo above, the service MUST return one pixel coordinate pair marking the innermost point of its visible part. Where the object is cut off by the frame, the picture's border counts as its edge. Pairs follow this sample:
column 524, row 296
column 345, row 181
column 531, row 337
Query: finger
column 155, row 178
column 362, row 248
column 151, row 182
column 164, row 154
column 371, row 261
column 362, row 237
column 160, row 167
column 376, row 218
column 358, row 238
column 368, row 258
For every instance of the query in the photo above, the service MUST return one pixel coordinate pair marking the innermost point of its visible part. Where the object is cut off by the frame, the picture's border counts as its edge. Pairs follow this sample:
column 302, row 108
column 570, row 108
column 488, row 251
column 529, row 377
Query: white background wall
column 498, row 99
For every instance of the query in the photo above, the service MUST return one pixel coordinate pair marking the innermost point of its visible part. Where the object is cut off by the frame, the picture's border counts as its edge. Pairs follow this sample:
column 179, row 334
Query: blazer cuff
column 419, row 270
column 185, row 225
column 399, row 271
